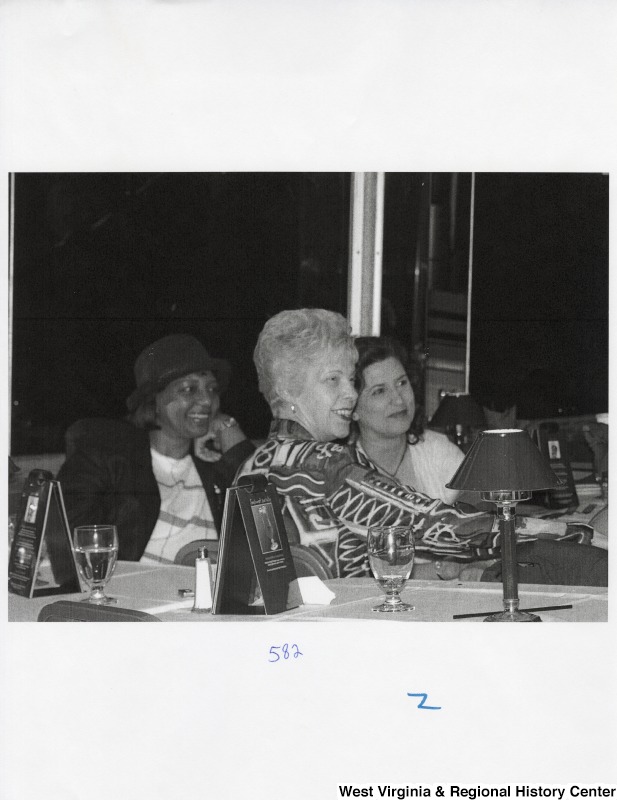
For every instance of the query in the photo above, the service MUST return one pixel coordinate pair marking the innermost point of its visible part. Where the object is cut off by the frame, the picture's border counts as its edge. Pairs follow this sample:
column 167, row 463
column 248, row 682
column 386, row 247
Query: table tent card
column 41, row 512
column 256, row 573
column 553, row 445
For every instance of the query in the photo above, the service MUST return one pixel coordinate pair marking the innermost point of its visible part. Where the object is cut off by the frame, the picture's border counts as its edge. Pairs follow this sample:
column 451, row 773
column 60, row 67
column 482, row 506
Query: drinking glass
column 96, row 552
column 390, row 554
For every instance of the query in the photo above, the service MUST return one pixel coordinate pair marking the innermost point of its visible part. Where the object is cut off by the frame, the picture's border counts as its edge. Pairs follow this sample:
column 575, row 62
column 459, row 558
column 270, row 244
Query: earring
column 355, row 416
column 293, row 408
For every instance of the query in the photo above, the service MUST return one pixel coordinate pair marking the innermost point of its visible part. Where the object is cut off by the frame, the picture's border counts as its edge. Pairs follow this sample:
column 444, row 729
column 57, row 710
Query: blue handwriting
column 286, row 650
column 422, row 703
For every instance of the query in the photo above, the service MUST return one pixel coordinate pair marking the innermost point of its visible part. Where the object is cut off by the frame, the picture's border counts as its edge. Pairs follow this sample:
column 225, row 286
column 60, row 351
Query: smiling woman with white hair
column 330, row 493
column 305, row 362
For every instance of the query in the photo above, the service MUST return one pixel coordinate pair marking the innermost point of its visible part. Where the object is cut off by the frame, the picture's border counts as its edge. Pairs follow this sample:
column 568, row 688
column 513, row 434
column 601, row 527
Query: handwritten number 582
column 287, row 651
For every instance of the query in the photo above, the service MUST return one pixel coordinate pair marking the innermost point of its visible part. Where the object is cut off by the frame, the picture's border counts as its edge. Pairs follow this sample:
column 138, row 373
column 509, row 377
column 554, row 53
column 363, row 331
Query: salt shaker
column 203, row 588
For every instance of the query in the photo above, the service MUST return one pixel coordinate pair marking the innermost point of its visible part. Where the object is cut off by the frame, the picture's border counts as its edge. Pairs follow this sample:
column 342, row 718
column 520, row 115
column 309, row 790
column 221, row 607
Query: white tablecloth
column 154, row 589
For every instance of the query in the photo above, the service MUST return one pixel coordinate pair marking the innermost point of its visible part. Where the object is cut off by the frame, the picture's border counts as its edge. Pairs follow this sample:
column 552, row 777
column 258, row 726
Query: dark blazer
column 108, row 479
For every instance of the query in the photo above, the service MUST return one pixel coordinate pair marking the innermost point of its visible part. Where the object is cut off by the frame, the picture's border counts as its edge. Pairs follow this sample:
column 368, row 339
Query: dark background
column 106, row 263
column 539, row 333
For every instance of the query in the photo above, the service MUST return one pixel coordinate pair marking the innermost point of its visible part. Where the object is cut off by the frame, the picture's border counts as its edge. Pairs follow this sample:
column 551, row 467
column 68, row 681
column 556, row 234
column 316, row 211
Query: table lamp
column 457, row 413
column 505, row 466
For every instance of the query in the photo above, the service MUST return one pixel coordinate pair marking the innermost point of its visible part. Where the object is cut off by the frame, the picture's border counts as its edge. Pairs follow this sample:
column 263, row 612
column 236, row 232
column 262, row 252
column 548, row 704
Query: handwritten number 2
column 422, row 703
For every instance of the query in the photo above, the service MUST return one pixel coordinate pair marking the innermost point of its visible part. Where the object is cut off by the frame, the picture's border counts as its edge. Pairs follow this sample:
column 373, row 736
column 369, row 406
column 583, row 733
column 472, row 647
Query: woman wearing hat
column 152, row 477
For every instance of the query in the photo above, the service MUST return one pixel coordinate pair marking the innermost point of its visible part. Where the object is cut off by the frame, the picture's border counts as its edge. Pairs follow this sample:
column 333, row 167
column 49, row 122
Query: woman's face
column 326, row 402
column 386, row 405
column 186, row 406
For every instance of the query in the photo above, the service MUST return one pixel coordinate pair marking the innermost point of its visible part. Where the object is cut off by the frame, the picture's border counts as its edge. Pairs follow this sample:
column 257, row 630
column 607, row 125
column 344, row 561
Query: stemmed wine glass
column 390, row 553
column 96, row 552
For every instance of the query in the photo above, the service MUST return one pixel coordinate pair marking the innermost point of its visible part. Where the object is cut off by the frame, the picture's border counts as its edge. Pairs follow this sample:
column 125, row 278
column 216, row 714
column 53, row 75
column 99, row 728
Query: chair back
column 308, row 562
column 186, row 555
column 70, row 611
column 94, row 429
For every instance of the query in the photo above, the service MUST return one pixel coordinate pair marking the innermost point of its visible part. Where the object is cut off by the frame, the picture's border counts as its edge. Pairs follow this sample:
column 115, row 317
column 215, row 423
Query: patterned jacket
column 331, row 494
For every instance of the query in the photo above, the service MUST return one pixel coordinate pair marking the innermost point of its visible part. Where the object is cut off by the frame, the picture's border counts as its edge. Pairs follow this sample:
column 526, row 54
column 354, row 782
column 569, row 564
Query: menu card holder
column 553, row 445
column 254, row 555
column 42, row 511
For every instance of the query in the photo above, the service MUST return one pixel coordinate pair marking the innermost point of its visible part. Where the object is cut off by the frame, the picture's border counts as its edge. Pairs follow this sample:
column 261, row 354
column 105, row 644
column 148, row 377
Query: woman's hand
column 224, row 433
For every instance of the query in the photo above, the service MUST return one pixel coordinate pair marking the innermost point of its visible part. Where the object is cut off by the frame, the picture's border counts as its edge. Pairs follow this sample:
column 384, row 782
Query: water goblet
column 390, row 553
column 96, row 552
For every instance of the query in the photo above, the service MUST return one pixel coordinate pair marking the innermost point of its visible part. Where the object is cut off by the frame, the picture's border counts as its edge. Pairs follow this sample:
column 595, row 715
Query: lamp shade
column 504, row 461
column 458, row 409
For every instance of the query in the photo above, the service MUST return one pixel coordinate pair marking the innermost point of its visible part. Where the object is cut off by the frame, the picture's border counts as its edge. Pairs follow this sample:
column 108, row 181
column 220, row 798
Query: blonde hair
column 292, row 340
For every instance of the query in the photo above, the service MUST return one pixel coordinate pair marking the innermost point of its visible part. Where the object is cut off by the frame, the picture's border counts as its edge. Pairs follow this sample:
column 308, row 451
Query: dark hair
column 373, row 350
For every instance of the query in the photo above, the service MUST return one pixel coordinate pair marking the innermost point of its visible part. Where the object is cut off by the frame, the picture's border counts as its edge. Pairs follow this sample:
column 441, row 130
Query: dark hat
column 170, row 358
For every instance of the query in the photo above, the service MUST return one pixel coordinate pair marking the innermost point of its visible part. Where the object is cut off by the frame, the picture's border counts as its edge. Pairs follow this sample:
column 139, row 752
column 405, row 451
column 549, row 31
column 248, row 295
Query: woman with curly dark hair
column 389, row 431
column 389, row 427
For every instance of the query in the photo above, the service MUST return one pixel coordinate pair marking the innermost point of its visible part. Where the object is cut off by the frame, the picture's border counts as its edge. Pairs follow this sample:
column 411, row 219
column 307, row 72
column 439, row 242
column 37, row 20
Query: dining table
column 158, row 591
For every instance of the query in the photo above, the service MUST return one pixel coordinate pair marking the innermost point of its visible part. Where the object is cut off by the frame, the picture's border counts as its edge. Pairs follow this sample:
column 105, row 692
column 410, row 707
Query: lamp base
column 513, row 616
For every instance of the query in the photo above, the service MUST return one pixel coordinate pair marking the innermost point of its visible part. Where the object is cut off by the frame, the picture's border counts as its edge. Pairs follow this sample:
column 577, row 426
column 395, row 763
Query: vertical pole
column 380, row 182
column 470, row 281
column 11, row 280
column 508, row 556
column 354, row 277
column 366, row 241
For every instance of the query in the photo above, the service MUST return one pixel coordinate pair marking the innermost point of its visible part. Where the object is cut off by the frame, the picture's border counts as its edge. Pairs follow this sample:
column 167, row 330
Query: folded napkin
column 311, row 590
column 315, row 592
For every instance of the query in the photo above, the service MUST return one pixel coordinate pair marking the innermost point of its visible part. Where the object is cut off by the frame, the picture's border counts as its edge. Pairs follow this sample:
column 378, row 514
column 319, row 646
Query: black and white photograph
column 361, row 255
column 173, row 331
